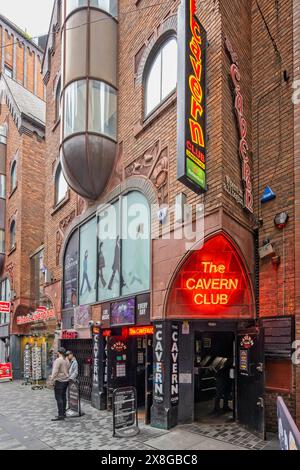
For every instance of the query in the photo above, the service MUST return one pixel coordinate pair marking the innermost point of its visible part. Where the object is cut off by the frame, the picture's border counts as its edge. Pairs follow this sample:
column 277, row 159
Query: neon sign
column 212, row 283
column 141, row 331
column 191, row 98
column 242, row 127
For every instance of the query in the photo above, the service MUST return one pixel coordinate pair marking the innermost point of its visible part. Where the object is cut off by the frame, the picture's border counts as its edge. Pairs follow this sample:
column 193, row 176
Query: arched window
column 13, row 176
column 12, row 235
column 57, row 100
column 61, row 186
column 161, row 75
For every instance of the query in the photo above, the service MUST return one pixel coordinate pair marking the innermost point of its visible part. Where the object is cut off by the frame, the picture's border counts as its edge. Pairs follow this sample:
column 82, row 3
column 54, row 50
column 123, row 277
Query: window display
column 109, row 253
column 88, row 261
column 135, row 244
column 71, row 272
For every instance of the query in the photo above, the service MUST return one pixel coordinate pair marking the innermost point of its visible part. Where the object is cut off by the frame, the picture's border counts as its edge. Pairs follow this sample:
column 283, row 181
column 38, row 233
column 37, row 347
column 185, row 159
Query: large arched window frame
column 13, row 176
column 160, row 75
column 109, row 263
column 57, row 100
column 12, row 235
column 61, row 186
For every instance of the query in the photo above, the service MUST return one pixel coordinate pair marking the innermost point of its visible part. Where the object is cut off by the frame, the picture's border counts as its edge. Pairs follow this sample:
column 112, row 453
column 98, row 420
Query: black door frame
column 220, row 326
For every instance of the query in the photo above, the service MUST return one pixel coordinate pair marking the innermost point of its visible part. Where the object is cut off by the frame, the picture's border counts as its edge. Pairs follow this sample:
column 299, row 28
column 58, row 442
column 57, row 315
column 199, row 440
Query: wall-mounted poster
column 88, row 261
column 71, row 273
column 123, row 313
column 109, row 253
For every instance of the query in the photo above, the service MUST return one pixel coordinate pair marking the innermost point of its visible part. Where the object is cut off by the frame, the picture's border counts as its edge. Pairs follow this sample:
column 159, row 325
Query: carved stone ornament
column 154, row 165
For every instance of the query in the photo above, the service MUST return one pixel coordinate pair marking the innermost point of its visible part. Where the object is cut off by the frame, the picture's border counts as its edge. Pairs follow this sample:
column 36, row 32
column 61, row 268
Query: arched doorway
column 208, row 351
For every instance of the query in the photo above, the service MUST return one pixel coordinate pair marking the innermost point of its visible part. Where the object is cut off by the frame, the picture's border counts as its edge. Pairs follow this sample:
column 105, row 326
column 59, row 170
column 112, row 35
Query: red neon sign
column 141, row 331
column 106, row 333
column 212, row 284
column 242, row 128
column 4, row 307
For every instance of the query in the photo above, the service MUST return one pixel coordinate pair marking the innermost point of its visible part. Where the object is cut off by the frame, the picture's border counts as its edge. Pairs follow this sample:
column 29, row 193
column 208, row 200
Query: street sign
column 74, row 400
column 6, row 371
column 125, row 418
column 289, row 435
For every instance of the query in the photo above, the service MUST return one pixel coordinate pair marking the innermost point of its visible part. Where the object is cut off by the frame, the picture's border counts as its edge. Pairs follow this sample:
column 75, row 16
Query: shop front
column 209, row 351
column 35, row 330
column 123, row 352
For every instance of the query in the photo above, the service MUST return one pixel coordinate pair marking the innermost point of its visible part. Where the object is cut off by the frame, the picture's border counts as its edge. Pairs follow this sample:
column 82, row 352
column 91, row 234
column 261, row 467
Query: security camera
column 98, row 323
column 91, row 323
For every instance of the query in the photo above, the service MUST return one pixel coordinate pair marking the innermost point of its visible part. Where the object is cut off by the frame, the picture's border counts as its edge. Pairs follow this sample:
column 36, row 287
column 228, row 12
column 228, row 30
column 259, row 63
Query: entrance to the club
column 228, row 375
column 214, row 377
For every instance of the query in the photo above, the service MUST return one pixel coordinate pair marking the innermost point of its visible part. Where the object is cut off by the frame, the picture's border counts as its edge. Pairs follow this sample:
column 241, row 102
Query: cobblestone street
column 25, row 423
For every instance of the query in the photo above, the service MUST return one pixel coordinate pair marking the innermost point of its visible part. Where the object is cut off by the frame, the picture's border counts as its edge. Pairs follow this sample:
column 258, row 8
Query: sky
column 30, row 15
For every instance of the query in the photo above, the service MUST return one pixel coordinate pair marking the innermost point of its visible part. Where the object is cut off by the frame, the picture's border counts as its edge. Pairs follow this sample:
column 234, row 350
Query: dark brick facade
column 263, row 57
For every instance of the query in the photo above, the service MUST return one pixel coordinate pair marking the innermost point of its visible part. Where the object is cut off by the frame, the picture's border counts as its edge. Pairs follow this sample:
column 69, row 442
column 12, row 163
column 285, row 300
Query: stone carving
column 81, row 205
column 159, row 176
column 153, row 164
column 63, row 225
column 10, row 270
column 142, row 165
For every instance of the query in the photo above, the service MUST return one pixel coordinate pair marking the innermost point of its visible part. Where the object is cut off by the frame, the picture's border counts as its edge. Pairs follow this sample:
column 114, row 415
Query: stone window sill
column 13, row 192
column 61, row 204
column 12, row 250
column 141, row 126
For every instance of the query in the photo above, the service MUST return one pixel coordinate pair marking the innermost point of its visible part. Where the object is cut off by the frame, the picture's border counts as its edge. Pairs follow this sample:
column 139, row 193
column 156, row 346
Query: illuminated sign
column 4, row 307
column 191, row 98
column 242, row 128
column 212, row 283
column 141, row 331
column 41, row 314
column 69, row 334
column 106, row 333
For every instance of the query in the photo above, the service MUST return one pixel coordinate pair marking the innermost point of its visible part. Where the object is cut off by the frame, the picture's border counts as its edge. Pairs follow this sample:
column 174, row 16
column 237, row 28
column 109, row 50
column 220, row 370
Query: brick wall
column 273, row 157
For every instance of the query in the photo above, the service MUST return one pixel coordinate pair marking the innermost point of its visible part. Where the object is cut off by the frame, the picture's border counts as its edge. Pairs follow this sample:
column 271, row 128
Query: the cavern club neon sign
column 212, row 290
column 242, row 128
column 191, row 98
column 212, row 283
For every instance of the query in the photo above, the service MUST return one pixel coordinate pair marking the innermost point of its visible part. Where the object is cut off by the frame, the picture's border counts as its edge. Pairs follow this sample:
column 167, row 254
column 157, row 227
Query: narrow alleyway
column 25, row 423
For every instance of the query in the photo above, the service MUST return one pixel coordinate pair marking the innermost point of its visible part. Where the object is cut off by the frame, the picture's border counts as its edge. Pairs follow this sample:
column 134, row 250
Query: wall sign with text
column 192, row 46
column 212, row 283
column 244, row 149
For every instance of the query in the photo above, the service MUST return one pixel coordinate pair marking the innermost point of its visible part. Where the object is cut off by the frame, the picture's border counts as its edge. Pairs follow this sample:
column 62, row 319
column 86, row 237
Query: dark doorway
column 130, row 364
column 214, row 384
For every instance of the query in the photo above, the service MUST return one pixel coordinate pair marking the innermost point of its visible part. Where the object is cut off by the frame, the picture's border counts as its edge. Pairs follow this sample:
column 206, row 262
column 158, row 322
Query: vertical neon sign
column 192, row 45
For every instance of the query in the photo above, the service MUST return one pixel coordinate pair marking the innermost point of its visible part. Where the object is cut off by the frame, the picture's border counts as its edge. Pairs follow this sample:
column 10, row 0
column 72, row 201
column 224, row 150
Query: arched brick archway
column 212, row 282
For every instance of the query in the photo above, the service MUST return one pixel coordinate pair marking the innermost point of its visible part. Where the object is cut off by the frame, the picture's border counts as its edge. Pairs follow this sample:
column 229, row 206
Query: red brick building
column 120, row 154
column 22, row 120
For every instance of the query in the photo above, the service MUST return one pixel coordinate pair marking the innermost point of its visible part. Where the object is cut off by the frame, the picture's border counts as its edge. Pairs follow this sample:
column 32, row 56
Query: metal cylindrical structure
column 3, row 149
column 89, row 94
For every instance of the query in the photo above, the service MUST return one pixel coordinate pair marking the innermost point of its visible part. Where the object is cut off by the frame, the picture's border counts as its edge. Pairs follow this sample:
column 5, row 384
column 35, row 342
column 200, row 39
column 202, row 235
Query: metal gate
column 83, row 351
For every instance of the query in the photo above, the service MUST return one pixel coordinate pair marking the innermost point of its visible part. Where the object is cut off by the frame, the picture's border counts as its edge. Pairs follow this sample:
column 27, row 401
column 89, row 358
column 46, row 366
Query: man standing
column 60, row 379
column 73, row 370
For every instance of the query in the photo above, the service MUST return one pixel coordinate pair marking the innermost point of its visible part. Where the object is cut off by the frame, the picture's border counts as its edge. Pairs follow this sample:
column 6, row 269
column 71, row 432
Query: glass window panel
column 111, row 6
column 109, row 253
column 7, row 291
column 2, row 186
column 2, row 241
column 61, row 185
column 13, row 176
column 103, row 109
column 153, row 85
column 71, row 272
column 73, row 4
column 169, row 67
column 135, row 244
column 74, row 111
column 88, row 262
column 12, row 234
